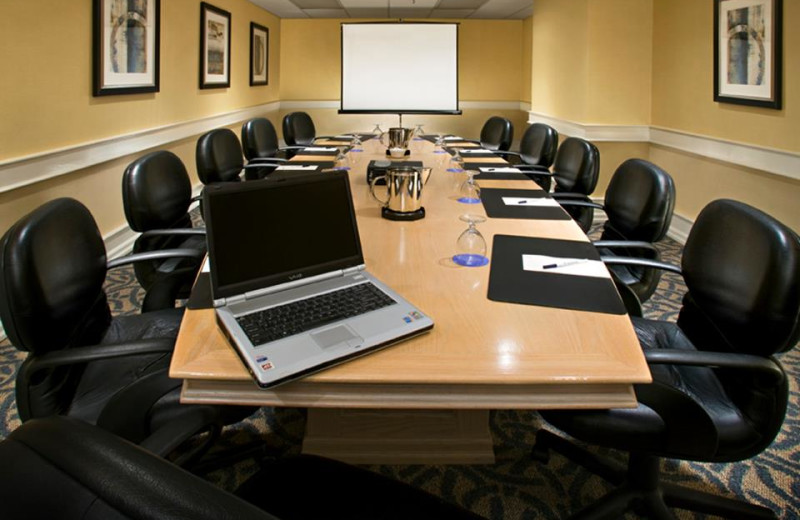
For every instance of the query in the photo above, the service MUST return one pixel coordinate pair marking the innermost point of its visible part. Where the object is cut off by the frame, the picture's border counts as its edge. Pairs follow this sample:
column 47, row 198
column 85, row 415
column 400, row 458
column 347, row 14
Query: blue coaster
column 439, row 151
column 470, row 260
column 469, row 200
column 343, row 168
column 455, row 170
column 356, row 150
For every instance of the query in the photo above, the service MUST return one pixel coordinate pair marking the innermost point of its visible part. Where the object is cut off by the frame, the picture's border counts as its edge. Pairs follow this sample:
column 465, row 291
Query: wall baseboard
column 22, row 171
column 778, row 162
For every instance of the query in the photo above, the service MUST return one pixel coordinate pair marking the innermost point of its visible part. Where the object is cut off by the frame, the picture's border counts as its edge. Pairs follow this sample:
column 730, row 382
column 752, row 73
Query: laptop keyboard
column 296, row 317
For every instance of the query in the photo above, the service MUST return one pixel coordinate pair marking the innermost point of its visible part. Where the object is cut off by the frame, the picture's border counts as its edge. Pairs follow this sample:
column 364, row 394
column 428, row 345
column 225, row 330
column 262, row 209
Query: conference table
column 427, row 399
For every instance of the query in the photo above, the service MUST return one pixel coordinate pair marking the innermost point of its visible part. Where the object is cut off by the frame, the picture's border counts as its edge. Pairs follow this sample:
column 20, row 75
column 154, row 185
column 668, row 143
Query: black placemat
column 509, row 282
column 200, row 297
column 492, row 200
column 362, row 137
column 478, row 165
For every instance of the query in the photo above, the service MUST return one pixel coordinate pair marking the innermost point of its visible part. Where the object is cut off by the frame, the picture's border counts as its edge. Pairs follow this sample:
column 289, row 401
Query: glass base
column 469, row 200
column 470, row 260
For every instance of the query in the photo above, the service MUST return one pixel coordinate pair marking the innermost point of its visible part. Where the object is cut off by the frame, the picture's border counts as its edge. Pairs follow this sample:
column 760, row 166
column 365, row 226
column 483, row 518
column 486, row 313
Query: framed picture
column 126, row 46
column 259, row 54
column 748, row 52
column 215, row 47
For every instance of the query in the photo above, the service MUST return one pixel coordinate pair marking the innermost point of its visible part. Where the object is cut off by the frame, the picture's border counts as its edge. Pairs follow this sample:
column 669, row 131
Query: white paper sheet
column 453, row 138
column 474, row 151
column 530, row 201
column 320, row 149
column 307, row 167
column 573, row 266
column 505, row 169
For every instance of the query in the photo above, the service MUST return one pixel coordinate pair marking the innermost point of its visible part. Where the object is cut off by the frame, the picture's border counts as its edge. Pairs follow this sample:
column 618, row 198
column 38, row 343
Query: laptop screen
column 264, row 233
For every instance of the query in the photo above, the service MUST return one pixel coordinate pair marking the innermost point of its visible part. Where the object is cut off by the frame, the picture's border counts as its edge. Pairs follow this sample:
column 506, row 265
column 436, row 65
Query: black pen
column 566, row 263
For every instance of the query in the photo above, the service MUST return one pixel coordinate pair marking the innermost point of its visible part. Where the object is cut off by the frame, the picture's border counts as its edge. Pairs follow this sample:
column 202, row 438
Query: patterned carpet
column 515, row 487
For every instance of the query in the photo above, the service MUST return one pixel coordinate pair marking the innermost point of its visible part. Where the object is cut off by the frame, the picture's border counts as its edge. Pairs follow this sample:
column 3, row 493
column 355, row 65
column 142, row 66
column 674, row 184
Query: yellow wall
column 47, row 84
column 592, row 60
column 527, row 59
column 683, row 80
column 619, row 50
column 47, row 100
column 558, row 85
column 683, row 100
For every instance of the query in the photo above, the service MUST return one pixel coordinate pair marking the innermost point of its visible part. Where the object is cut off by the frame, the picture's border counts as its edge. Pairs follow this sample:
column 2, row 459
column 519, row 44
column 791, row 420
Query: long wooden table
column 427, row 400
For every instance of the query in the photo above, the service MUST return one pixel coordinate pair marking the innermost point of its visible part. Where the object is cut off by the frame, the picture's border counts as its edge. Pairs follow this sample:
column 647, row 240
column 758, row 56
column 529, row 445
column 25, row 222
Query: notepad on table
column 303, row 167
column 320, row 149
column 561, row 265
column 496, row 169
column 530, row 201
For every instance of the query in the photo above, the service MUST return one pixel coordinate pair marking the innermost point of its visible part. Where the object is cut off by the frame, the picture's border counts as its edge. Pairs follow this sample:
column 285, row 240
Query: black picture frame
column 748, row 52
column 259, row 55
column 129, row 64
column 215, row 47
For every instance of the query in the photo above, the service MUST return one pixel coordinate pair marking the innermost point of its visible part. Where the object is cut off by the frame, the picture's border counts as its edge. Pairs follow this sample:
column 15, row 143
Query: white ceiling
column 482, row 9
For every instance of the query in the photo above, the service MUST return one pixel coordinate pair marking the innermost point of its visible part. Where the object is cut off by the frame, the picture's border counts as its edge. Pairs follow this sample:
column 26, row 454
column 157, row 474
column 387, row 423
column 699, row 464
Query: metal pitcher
column 403, row 189
column 397, row 138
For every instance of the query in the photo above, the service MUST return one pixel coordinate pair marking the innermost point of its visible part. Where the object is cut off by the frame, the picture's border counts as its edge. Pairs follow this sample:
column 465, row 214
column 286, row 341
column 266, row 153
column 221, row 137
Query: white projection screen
column 400, row 68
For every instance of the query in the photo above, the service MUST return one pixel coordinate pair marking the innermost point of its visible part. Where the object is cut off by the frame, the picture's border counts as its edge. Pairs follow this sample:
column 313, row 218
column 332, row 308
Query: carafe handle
column 372, row 190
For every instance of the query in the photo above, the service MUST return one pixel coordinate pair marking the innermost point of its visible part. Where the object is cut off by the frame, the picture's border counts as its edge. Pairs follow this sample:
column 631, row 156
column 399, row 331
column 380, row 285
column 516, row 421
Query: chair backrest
column 103, row 477
column 219, row 156
column 538, row 145
column 52, row 270
column 639, row 202
column 259, row 139
column 298, row 129
column 742, row 272
column 577, row 166
column 156, row 192
column 497, row 134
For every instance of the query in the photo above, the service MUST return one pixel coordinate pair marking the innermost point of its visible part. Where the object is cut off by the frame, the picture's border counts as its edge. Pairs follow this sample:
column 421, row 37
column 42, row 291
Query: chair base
column 640, row 488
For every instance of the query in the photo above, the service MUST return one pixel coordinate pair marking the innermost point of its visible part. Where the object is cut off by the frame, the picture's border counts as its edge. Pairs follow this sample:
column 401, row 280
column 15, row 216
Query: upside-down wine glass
column 341, row 162
column 471, row 246
column 469, row 192
column 457, row 162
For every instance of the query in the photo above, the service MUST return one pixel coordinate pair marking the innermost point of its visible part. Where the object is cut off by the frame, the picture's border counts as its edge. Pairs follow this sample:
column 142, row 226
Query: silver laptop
column 288, row 279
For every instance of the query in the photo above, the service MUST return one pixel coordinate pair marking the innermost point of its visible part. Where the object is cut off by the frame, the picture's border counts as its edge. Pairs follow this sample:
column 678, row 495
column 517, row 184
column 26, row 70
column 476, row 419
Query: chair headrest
column 156, row 191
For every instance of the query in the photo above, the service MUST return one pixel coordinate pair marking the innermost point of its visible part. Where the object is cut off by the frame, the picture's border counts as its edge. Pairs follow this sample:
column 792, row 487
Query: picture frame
column 259, row 54
column 126, row 39
column 215, row 47
column 748, row 52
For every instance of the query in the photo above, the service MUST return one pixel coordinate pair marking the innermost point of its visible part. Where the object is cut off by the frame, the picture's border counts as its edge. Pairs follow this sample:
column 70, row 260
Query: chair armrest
column 507, row 152
column 260, row 165
column 156, row 255
column 284, row 148
column 748, row 362
column 641, row 262
column 199, row 231
column 630, row 244
column 534, row 169
column 75, row 355
column 316, row 138
column 581, row 203
column 267, row 159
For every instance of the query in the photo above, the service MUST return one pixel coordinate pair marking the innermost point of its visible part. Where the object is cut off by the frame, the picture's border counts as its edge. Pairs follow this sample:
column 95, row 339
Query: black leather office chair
column 497, row 134
column 66, row 469
column 718, row 393
column 537, row 149
column 219, row 158
column 574, row 175
column 260, row 144
column 299, row 130
column 82, row 362
column 156, row 195
column 639, row 203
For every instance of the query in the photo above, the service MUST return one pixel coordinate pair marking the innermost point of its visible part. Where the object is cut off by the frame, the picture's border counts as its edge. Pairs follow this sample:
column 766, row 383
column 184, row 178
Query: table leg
column 400, row 436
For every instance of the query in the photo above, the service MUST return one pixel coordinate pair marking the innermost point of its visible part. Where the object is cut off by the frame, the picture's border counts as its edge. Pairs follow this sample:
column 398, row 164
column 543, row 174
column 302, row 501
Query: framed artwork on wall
column 748, row 52
column 259, row 54
column 215, row 47
column 125, row 45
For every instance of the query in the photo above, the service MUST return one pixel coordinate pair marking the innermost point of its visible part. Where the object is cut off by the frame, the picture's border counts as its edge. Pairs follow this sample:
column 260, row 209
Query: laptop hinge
column 298, row 283
column 221, row 302
column 352, row 270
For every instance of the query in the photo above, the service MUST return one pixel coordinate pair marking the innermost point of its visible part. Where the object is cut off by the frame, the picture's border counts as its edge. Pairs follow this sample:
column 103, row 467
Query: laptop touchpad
column 337, row 336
